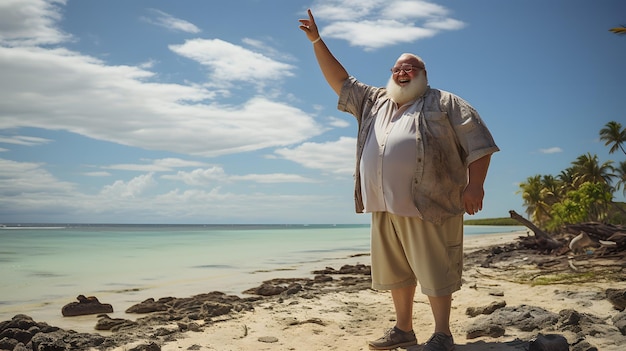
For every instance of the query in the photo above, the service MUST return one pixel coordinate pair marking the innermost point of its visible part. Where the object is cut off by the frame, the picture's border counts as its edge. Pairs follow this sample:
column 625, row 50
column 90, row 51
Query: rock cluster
column 617, row 297
column 164, row 320
column 496, row 317
column 85, row 306
column 22, row 333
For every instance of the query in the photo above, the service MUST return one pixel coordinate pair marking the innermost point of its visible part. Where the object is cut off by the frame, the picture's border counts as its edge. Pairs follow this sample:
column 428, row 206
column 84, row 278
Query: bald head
column 411, row 59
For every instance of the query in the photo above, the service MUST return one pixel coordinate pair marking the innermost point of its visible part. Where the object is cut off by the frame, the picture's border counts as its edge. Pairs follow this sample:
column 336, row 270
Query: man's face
column 405, row 69
column 407, row 82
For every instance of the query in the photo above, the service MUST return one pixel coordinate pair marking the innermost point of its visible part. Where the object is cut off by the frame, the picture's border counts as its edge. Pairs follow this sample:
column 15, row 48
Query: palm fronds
column 619, row 30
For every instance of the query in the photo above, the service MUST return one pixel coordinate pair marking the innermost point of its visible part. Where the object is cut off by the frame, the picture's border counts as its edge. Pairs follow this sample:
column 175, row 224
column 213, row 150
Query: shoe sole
column 406, row 344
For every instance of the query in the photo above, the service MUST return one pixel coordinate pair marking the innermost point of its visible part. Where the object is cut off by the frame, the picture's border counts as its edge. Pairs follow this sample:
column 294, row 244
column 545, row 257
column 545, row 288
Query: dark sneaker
column 439, row 342
column 392, row 339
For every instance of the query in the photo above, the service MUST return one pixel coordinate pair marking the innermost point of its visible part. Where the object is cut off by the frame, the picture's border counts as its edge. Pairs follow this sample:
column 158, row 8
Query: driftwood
column 606, row 239
column 543, row 240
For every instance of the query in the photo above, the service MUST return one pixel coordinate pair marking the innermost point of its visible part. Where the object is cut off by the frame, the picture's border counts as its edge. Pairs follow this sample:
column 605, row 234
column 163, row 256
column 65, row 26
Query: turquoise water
column 42, row 269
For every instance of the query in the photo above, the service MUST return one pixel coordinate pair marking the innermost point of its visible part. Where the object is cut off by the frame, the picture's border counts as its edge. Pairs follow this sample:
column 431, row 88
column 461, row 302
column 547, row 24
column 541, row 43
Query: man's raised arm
column 333, row 71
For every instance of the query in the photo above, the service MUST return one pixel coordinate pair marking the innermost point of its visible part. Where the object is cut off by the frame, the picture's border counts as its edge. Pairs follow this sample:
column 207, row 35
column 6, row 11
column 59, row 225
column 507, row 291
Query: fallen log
column 543, row 240
column 609, row 237
column 605, row 239
column 598, row 231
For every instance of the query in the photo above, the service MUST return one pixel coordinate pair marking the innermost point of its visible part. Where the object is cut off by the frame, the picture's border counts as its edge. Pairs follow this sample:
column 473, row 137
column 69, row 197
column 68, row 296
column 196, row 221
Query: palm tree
column 619, row 30
column 613, row 134
column 620, row 173
column 587, row 168
column 533, row 194
column 551, row 189
column 530, row 193
column 567, row 179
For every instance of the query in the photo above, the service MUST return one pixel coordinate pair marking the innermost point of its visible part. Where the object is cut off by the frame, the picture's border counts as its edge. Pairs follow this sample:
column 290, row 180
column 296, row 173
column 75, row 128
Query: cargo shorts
column 408, row 250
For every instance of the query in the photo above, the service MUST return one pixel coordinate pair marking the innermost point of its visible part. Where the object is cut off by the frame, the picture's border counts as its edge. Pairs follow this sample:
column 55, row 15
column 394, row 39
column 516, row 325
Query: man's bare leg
column 441, row 305
column 403, row 303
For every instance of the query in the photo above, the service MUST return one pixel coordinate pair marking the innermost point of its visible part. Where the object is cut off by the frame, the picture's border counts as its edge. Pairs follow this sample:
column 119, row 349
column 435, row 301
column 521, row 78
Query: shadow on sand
column 514, row 345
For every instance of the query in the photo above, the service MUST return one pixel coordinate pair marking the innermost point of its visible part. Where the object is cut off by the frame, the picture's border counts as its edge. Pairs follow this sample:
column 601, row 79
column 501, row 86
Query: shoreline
column 49, row 310
column 344, row 319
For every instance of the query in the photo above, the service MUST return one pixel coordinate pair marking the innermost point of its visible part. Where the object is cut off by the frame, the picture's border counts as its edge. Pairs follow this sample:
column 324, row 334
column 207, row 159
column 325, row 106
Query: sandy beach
column 346, row 320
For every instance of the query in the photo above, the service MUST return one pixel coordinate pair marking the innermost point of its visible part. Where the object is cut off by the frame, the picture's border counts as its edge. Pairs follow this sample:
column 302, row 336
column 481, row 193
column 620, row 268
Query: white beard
column 401, row 95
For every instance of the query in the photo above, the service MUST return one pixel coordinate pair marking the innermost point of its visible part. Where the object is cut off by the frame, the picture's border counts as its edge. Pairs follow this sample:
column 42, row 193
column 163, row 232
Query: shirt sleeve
column 473, row 135
column 357, row 98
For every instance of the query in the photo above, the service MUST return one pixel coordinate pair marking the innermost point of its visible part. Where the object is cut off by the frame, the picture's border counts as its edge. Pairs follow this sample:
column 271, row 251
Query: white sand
column 346, row 321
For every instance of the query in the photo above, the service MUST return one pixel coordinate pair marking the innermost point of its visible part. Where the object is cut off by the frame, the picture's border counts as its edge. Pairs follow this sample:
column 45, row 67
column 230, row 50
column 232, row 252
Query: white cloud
column 23, row 140
column 177, row 163
column 18, row 178
column 131, row 189
column 31, row 22
column 97, row 174
column 52, row 87
column 29, row 193
column 338, row 10
column 376, row 34
column 333, row 156
column 230, row 63
column 375, row 24
column 199, row 177
column 338, row 122
column 267, row 49
column 445, row 24
column 273, row 178
column 216, row 174
column 59, row 89
column 41, row 85
column 168, row 21
column 551, row 150
column 160, row 165
column 225, row 207
column 413, row 9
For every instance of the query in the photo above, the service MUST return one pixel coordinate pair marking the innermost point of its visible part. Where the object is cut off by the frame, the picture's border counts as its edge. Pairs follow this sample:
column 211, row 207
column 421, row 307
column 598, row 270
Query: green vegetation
column 572, row 277
column 565, row 278
column 582, row 192
column 492, row 221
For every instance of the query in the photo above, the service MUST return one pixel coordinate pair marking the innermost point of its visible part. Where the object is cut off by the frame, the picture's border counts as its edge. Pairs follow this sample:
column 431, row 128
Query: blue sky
column 154, row 111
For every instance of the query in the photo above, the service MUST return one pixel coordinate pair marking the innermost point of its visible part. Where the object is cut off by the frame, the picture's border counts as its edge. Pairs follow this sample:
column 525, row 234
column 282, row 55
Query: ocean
column 45, row 267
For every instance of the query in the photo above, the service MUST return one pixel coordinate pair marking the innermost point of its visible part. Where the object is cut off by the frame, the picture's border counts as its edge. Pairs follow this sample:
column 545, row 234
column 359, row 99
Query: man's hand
column 309, row 27
column 333, row 71
column 473, row 198
column 474, row 192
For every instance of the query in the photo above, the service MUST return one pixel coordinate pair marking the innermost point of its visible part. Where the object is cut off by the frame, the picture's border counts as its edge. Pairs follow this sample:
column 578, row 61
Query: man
column 422, row 159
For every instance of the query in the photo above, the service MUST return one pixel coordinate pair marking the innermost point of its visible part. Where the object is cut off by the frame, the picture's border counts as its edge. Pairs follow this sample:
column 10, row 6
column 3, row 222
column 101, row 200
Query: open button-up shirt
column 448, row 135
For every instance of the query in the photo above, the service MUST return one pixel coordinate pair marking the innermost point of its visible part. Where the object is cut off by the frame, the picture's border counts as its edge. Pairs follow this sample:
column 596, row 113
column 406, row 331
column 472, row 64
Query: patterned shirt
column 448, row 135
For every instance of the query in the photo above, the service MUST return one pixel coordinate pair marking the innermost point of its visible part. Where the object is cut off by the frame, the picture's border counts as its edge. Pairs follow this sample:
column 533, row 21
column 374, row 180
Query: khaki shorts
column 407, row 250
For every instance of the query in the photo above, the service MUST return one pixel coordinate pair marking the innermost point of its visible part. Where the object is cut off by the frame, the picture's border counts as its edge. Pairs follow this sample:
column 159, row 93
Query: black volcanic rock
column 85, row 306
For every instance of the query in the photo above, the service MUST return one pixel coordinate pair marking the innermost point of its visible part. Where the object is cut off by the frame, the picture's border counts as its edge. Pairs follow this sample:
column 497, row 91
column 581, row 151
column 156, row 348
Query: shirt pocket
column 435, row 115
column 437, row 124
